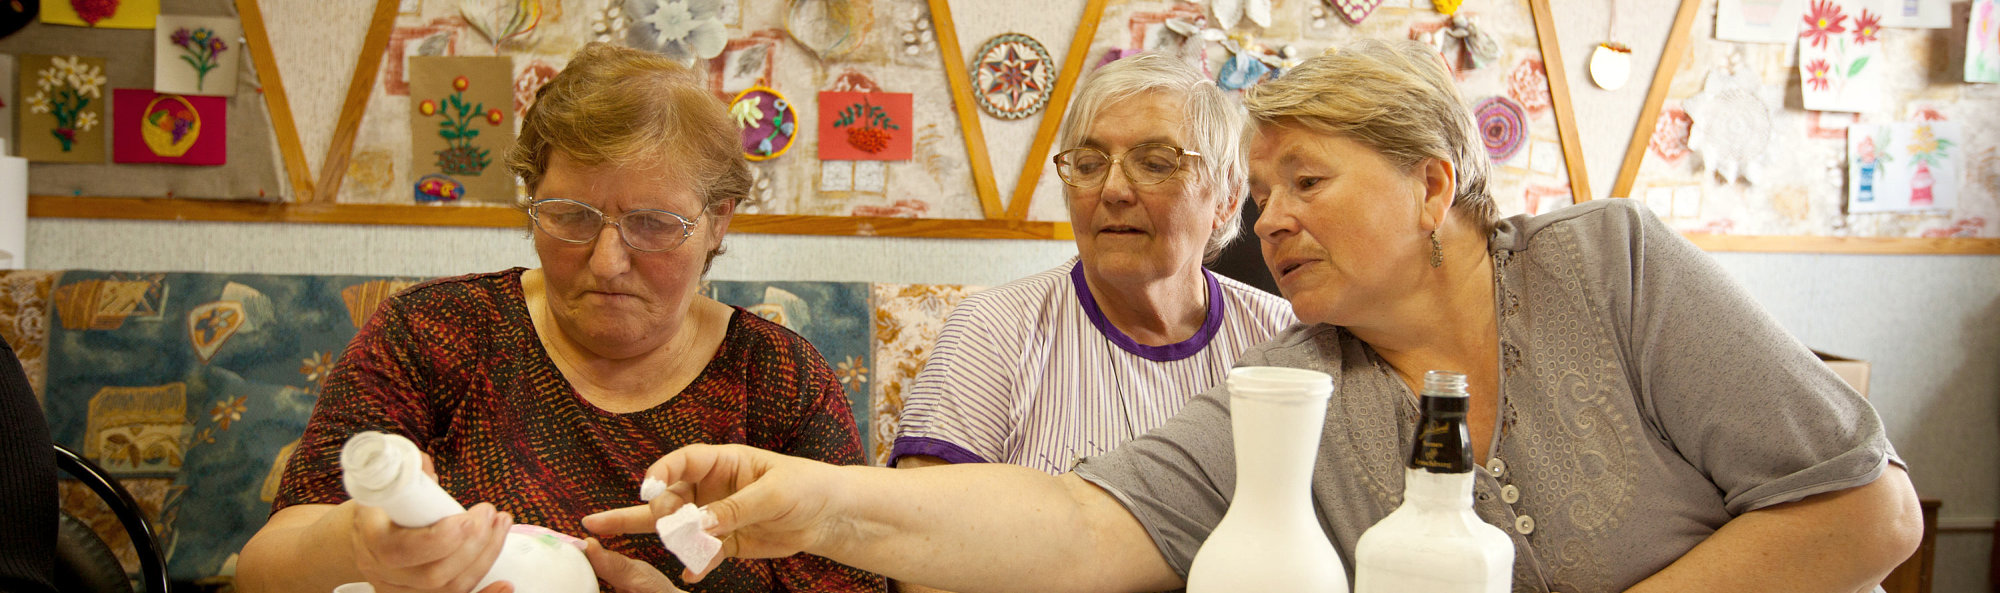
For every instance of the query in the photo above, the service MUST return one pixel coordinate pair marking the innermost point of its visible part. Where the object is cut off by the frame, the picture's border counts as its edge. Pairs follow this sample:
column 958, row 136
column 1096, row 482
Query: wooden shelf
column 1846, row 245
column 504, row 217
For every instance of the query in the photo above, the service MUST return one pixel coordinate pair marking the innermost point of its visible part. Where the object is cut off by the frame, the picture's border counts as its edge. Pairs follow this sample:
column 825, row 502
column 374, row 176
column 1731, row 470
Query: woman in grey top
column 1641, row 424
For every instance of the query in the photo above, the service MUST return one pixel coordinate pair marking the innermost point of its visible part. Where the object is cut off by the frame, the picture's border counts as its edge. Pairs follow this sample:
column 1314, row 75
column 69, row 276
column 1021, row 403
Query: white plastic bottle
column 1270, row 539
column 1434, row 543
column 386, row 471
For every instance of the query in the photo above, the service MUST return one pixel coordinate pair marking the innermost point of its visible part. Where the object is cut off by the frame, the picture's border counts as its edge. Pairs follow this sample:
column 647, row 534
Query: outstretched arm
column 972, row 527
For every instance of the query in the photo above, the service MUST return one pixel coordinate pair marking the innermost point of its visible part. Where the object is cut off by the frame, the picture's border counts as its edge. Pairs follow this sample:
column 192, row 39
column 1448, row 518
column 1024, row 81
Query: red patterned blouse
column 455, row 365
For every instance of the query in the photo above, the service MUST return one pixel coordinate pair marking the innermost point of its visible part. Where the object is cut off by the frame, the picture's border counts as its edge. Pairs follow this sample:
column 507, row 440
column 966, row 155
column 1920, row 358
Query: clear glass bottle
column 1270, row 539
column 1434, row 542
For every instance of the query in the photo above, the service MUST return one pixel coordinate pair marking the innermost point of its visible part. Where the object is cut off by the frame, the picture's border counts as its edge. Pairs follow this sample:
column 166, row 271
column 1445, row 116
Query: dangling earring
column 1437, row 250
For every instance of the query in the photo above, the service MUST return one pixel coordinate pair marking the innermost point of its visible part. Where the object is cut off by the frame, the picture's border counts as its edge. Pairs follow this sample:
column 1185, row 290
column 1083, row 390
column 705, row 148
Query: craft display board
column 967, row 173
column 261, row 163
column 1769, row 175
column 1511, row 97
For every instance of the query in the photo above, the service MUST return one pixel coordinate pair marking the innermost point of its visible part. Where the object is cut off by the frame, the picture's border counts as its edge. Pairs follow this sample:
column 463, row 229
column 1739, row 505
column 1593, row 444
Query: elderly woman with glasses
column 1071, row 362
column 543, row 394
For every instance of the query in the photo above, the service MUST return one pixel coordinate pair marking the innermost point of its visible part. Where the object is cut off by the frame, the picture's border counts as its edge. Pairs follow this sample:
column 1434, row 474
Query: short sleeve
column 378, row 384
column 961, row 406
column 1735, row 394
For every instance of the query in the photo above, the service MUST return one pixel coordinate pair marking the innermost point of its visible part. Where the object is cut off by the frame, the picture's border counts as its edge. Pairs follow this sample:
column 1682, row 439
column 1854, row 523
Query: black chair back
column 152, row 565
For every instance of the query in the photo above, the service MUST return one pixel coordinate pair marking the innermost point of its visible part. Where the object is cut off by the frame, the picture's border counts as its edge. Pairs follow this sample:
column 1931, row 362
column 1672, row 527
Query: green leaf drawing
column 1855, row 68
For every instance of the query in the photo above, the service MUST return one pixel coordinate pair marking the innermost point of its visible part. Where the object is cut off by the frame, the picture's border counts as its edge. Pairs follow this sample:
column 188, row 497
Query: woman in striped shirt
column 1071, row 362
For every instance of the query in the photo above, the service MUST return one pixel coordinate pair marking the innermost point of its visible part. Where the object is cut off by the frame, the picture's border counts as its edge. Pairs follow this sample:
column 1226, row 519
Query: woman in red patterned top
column 544, row 394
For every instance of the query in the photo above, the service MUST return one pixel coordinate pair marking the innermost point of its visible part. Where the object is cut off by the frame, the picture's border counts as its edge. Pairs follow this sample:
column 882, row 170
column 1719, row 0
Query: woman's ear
column 719, row 216
column 1440, row 190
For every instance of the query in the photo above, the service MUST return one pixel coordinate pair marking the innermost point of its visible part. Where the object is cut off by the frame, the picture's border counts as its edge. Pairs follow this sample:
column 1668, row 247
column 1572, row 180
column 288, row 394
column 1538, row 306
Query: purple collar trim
column 1167, row 353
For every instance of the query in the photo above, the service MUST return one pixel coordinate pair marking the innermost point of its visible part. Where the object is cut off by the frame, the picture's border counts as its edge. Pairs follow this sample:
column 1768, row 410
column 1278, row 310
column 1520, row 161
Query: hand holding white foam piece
column 387, row 471
column 685, row 534
column 651, row 488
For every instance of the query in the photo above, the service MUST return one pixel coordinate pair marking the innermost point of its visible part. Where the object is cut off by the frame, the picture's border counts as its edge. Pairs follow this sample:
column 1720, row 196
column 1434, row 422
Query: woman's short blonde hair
column 617, row 106
column 1395, row 97
column 1214, row 124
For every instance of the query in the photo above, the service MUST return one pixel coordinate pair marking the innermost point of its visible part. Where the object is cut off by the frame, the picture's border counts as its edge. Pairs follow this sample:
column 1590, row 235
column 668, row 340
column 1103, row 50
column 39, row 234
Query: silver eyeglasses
column 1145, row 164
column 642, row 230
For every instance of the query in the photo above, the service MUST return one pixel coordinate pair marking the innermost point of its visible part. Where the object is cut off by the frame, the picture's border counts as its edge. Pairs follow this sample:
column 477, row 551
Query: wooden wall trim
column 1558, row 75
column 275, row 101
column 334, row 167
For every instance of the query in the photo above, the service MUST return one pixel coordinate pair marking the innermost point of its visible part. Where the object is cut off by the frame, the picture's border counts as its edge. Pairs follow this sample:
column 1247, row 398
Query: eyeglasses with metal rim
column 647, row 230
column 1145, row 164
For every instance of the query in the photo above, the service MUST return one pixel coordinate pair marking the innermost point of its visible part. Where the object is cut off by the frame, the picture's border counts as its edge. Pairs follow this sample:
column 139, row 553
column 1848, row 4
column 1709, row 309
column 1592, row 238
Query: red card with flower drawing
column 174, row 129
column 462, row 123
column 196, row 55
column 61, row 113
column 865, row 126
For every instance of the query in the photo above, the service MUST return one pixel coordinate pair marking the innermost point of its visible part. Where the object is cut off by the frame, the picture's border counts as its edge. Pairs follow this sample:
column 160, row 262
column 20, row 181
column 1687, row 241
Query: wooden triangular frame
column 983, row 183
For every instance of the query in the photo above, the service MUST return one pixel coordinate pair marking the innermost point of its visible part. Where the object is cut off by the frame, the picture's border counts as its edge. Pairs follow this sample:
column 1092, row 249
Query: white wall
column 1929, row 324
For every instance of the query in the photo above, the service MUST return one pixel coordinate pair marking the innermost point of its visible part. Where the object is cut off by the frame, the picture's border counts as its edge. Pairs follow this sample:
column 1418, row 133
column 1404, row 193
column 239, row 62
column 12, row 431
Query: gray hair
column 1397, row 98
column 1214, row 124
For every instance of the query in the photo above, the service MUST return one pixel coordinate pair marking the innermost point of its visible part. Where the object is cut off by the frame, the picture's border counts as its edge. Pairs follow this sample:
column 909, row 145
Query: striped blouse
column 1033, row 374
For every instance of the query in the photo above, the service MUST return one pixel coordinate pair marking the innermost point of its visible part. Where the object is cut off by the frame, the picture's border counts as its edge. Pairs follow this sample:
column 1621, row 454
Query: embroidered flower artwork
column 459, row 127
column 685, row 30
column 202, row 49
column 65, row 90
column 868, row 126
column 92, row 11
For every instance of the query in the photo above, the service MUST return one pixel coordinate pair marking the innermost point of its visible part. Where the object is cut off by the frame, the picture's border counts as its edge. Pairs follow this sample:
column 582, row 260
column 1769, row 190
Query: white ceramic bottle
column 1434, row 543
column 386, row 471
column 1270, row 539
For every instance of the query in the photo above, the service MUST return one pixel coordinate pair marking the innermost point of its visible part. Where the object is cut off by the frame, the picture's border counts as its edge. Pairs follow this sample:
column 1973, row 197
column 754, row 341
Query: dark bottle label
column 1442, row 437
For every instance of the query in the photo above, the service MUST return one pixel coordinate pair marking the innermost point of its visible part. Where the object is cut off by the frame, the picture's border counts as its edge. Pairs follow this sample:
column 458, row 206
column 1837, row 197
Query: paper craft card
column 1918, row 14
column 462, row 123
column 8, row 77
column 103, row 14
column 1982, row 42
column 61, row 117
column 1840, row 55
column 196, row 55
column 1758, row 21
column 1903, row 166
column 865, row 126
column 151, row 127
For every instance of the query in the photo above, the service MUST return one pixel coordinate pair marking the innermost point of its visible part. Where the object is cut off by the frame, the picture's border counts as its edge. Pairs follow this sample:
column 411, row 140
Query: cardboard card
column 151, row 127
column 1919, row 14
column 1840, row 56
column 103, row 14
column 462, row 123
column 8, row 98
column 196, row 55
column 61, row 118
column 1982, row 42
column 1903, row 166
column 865, row 126
column 1758, row 21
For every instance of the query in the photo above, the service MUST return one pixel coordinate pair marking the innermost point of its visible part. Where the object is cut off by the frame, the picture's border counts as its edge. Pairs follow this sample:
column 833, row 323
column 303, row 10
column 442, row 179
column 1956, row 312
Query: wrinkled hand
column 451, row 555
column 625, row 574
column 766, row 505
